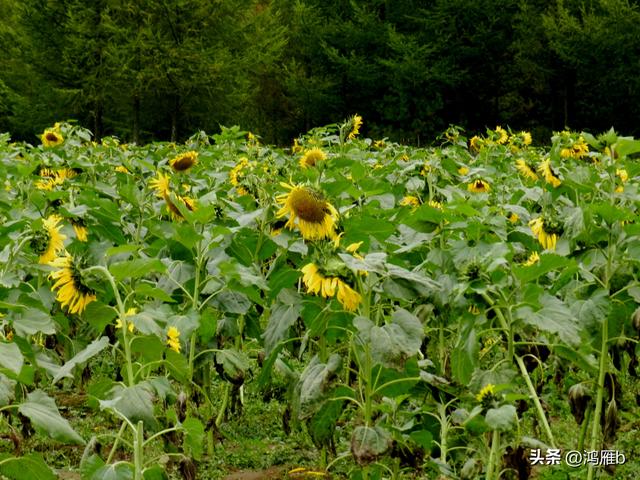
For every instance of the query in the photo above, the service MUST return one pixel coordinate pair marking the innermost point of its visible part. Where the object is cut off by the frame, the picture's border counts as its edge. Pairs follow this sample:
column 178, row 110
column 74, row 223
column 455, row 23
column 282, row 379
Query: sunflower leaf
column 43, row 413
column 90, row 351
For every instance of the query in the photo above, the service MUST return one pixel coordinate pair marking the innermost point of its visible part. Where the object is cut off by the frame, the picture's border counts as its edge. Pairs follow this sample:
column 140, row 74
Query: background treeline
column 161, row 69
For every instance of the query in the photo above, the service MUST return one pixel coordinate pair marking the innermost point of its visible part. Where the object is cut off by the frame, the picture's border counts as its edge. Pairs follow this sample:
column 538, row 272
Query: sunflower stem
column 595, row 426
column 493, row 454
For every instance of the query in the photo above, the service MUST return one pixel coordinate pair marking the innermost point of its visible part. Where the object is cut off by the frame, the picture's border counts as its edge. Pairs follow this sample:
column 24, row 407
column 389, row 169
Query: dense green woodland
column 162, row 69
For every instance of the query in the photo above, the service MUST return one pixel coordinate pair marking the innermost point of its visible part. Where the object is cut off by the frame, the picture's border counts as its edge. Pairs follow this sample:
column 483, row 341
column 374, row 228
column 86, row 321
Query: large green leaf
column 29, row 467
column 31, row 321
column 283, row 315
column 369, row 443
column 6, row 390
column 90, row 351
column 136, row 268
column 393, row 343
column 43, row 413
column 135, row 403
column 11, row 357
column 314, row 385
column 502, row 418
column 114, row 471
column 232, row 365
column 193, row 444
column 553, row 317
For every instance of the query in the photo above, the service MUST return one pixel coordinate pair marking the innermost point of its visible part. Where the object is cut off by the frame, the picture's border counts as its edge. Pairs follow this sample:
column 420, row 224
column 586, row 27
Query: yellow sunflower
column 532, row 260
column 129, row 313
column 410, row 200
column 184, row 161
column 356, row 123
column 161, row 185
column 463, row 170
column 122, row 169
column 80, row 229
column 476, row 143
column 549, row 175
column 478, row 186
column 487, row 391
column 316, row 218
column 51, row 138
column 48, row 241
column 526, row 170
column 503, row 135
column 544, row 233
column 312, row 157
column 328, row 287
column 173, row 339
column 174, row 211
column 513, row 218
column 73, row 293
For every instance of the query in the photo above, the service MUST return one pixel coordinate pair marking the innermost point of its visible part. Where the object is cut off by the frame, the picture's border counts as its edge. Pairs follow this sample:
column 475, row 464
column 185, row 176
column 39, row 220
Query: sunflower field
column 464, row 311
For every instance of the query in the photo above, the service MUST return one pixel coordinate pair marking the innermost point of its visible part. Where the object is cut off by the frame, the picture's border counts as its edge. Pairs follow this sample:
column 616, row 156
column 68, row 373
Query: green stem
column 584, row 427
column 444, row 432
column 138, row 457
column 536, row 401
column 223, row 405
column 495, row 446
column 115, row 442
column 595, row 428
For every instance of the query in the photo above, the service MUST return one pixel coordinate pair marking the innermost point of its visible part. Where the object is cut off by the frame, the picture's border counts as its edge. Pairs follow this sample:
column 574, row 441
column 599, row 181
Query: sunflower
column 549, row 175
column 578, row 149
column 526, row 170
column 478, row 186
column 532, row 260
column 174, row 211
column 410, row 200
column 51, row 178
column 48, row 241
column 122, row 169
column 435, row 204
column 184, row 161
column 73, row 293
column 463, row 170
column 328, row 287
column 312, row 157
column 503, row 136
column 526, row 138
column 51, row 138
column 513, row 217
column 476, row 143
column 173, row 339
column 487, row 392
column 622, row 174
column 316, row 217
column 356, row 123
column 161, row 185
column 129, row 313
column 80, row 228
column 297, row 148
column 237, row 173
column 546, row 233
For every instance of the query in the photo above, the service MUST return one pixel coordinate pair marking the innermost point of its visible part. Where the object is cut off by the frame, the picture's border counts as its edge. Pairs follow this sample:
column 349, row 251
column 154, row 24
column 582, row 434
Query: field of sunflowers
column 463, row 311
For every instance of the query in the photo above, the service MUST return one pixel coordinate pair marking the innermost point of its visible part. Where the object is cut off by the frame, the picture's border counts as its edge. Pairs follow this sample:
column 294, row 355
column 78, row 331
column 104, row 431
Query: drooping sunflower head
column 476, row 143
column 549, row 174
column 487, row 395
column 526, row 170
column 318, row 283
column 174, row 212
column 410, row 200
column 173, row 339
column 309, row 211
column 73, row 292
column 356, row 123
column 547, row 231
column 48, row 240
column 161, row 185
column 478, row 186
column 184, row 161
column 502, row 135
column 532, row 259
column 80, row 228
column 51, row 137
column 312, row 157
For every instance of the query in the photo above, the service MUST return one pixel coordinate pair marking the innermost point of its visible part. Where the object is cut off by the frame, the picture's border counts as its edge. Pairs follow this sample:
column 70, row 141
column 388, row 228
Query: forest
column 163, row 69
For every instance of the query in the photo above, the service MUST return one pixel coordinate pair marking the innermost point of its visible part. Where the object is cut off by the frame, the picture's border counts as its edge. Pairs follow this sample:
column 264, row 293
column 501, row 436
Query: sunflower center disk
column 307, row 206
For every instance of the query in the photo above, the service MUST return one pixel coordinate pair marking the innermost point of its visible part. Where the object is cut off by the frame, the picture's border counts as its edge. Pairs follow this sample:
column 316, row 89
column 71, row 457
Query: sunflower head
column 526, row 169
column 478, row 186
column 48, row 241
column 314, row 216
column 184, row 161
column 161, row 185
column 548, row 173
column 312, row 157
column 173, row 339
column 487, row 395
column 355, row 123
column 74, row 294
column 51, row 137
column 80, row 228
